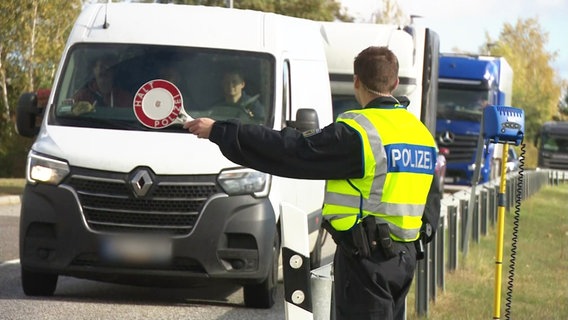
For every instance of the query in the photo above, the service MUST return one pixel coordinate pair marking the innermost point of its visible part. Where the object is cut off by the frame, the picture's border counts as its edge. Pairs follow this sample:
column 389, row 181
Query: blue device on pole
column 502, row 124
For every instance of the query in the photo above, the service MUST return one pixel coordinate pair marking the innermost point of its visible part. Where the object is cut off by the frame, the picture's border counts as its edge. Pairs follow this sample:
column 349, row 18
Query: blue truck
column 466, row 84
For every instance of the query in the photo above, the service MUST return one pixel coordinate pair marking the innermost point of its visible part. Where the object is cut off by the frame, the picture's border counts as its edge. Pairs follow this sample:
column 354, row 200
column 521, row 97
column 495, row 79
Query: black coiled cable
column 514, row 237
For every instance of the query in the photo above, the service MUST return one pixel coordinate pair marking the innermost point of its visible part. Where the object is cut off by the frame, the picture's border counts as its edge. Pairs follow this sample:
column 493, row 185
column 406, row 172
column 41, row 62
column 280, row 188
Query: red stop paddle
column 158, row 104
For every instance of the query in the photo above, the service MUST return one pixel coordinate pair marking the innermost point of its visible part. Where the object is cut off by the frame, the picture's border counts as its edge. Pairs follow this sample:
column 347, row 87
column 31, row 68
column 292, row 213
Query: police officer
column 379, row 164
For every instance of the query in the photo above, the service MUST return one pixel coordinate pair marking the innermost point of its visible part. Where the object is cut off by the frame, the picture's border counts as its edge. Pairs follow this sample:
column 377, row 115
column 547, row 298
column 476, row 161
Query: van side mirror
column 306, row 119
column 26, row 115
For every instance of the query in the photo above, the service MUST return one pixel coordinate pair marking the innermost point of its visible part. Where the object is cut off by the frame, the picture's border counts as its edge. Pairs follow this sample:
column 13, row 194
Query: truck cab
column 466, row 85
column 110, row 199
column 552, row 144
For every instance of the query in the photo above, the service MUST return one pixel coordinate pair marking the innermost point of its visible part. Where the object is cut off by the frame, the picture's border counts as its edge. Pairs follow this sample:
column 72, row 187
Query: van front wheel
column 263, row 295
column 37, row 283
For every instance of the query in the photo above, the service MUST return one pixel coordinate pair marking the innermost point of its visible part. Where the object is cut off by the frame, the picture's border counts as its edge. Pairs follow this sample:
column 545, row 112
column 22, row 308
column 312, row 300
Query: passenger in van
column 101, row 89
column 233, row 84
column 379, row 165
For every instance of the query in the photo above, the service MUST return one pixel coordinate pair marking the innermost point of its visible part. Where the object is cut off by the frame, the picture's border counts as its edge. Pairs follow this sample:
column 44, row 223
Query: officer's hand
column 200, row 127
column 82, row 107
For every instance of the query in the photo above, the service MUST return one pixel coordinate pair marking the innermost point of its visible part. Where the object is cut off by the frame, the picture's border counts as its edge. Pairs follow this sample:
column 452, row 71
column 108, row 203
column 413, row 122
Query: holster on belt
column 342, row 240
column 385, row 241
column 361, row 240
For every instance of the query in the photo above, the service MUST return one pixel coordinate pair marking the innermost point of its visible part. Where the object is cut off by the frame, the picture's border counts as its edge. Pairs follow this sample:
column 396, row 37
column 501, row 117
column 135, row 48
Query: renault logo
column 446, row 137
column 141, row 182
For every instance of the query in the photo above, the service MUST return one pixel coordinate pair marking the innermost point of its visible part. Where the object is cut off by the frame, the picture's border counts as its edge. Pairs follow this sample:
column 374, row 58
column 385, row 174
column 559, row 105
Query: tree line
column 33, row 34
column 537, row 88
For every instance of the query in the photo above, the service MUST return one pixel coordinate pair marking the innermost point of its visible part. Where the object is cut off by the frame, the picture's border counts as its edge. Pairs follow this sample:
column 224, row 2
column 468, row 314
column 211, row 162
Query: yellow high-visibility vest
column 399, row 161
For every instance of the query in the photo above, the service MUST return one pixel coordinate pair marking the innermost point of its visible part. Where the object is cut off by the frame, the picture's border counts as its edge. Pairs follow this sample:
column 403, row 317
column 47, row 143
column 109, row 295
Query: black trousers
column 373, row 288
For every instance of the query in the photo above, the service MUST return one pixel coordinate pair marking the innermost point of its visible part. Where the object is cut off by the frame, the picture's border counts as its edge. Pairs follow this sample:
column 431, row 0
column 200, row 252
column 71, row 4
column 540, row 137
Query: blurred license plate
column 137, row 249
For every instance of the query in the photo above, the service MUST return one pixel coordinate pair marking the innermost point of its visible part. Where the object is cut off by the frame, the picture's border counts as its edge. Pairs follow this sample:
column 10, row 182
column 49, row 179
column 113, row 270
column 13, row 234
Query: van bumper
column 231, row 241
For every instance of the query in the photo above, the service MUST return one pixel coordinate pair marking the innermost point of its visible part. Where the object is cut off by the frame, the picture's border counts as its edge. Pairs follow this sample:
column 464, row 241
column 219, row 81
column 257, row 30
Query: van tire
column 263, row 295
column 37, row 283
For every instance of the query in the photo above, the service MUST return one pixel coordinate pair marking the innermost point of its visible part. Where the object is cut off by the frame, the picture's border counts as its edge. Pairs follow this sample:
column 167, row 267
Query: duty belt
column 361, row 240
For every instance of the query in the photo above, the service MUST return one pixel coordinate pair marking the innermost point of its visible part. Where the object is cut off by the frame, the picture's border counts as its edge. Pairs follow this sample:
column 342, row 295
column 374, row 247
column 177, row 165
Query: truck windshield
column 98, row 84
column 554, row 143
column 461, row 104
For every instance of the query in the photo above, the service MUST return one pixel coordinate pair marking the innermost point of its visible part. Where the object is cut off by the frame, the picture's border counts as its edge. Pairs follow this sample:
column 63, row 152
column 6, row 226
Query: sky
column 463, row 23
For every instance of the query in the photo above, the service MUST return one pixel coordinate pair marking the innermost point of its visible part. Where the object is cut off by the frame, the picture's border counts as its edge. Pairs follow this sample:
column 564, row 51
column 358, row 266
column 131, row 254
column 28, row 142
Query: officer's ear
column 395, row 84
column 356, row 82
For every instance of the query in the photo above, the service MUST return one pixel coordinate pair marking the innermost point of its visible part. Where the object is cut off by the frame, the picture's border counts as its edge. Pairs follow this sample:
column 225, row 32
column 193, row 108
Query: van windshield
column 99, row 83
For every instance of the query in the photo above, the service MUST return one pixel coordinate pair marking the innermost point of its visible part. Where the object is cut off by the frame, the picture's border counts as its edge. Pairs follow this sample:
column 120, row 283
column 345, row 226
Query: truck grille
column 170, row 206
column 555, row 163
column 462, row 148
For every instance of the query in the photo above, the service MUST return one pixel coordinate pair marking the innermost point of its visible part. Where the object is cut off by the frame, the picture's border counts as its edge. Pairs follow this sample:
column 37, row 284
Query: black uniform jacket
column 334, row 152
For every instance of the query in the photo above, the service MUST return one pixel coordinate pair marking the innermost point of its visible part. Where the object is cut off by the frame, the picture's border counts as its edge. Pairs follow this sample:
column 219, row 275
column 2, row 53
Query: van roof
column 196, row 26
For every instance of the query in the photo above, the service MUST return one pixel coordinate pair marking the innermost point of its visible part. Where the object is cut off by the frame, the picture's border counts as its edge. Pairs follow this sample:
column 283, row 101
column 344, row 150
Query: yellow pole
column 500, row 232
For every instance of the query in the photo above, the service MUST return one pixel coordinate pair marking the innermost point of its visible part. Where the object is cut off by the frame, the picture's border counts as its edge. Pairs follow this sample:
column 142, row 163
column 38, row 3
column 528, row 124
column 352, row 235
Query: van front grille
column 171, row 204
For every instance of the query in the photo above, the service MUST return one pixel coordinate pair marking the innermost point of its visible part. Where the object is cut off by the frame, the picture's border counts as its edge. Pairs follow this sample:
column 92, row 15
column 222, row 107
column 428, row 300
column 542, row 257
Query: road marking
column 9, row 262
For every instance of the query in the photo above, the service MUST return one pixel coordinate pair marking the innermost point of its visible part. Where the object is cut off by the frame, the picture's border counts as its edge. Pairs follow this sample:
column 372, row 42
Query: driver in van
column 234, row 94
column 101, row 90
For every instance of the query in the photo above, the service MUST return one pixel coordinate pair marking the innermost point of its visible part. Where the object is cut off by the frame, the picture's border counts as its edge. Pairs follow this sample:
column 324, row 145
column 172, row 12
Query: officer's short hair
column 377, row 69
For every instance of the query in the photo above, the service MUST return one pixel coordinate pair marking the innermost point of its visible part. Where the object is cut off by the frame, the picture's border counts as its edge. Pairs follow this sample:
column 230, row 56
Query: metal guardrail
column 442, row 253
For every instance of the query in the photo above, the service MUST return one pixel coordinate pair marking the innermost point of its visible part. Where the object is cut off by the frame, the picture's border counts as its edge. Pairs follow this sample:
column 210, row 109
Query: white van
column 110, row 199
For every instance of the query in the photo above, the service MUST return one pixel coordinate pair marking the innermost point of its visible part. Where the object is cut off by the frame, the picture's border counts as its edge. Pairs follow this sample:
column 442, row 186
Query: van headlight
column 245, row 181
column 45, row 170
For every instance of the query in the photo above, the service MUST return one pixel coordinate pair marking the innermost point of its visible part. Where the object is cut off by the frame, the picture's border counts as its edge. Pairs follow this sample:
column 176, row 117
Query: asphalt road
column 79, row 299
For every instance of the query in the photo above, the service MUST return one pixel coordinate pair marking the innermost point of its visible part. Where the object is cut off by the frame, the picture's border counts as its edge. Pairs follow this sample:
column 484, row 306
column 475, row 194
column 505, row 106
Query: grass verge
column 9, row 186
column 540, row 286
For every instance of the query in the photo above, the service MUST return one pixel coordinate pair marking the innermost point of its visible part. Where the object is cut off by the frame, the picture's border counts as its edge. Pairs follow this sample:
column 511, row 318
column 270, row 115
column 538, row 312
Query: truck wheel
column 37, row 283
column 263, row 295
